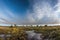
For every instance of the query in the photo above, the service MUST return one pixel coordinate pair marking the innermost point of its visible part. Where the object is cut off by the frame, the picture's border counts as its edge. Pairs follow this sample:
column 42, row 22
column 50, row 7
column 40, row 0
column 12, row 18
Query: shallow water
column 33, row 36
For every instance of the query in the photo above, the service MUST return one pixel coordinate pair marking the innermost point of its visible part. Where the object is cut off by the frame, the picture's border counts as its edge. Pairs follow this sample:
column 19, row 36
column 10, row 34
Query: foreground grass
column 50, row 32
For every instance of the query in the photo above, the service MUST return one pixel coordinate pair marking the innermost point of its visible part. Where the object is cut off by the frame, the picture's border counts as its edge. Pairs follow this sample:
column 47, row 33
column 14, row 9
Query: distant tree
column 31, row 25
column 37, row 25
column 45, row 25
column 11, row 26
column 14, row 25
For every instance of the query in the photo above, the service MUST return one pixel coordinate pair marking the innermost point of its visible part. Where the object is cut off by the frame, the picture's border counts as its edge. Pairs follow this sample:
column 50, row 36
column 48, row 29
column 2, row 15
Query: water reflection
column 4, row 36
column 34, row 36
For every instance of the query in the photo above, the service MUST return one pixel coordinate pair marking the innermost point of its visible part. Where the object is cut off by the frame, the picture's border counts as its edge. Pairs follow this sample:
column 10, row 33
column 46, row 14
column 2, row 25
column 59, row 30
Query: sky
column 29, row 12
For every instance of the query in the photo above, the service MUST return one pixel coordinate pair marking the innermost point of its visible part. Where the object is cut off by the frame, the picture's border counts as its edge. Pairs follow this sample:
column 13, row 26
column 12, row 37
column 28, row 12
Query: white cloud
column 44, row 13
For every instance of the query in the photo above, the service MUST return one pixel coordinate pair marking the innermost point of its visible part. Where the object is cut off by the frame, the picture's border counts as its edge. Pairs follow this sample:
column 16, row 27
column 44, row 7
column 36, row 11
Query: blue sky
column 30, row 11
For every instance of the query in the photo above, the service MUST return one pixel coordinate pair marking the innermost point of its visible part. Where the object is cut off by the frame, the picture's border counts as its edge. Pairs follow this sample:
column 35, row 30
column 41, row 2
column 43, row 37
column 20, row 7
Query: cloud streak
column 6, row 15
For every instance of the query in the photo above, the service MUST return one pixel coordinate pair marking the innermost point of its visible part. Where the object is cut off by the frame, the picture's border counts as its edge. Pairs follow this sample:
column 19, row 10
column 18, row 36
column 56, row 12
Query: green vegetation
column 18, row 33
